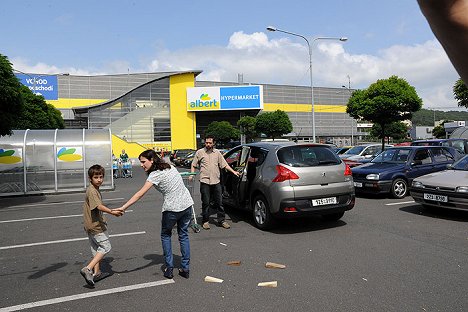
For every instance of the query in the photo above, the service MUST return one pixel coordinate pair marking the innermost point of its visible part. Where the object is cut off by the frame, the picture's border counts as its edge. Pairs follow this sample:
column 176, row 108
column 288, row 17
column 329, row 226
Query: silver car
column 287, row 180
column 445, row 189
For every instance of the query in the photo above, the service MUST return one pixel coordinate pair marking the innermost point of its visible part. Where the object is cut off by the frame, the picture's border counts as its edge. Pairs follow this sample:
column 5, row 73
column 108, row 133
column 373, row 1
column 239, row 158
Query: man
column 209, row 161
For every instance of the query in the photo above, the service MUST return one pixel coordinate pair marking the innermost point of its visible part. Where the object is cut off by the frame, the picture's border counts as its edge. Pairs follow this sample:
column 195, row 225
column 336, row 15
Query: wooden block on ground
column 211, row 279
column 273, row 265
column 235, row 263
column 268, row 284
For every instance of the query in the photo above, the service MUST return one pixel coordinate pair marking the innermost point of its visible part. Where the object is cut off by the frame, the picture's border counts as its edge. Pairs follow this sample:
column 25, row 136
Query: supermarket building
column 171, row 110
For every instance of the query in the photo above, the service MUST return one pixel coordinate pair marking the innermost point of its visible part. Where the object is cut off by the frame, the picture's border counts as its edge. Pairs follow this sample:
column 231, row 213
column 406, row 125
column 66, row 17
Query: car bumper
column 372, row 187
column 303, row 207
column 455, row 201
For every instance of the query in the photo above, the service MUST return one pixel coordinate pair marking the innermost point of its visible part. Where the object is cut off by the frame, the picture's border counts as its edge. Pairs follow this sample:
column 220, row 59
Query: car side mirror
column 449, row 166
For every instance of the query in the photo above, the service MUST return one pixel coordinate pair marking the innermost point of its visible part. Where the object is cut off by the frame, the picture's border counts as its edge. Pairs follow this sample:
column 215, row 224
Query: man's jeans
column 211, row 194
column 169, row 219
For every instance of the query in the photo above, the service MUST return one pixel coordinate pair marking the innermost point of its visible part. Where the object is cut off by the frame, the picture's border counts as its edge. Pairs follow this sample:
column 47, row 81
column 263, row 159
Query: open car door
column 240, row 183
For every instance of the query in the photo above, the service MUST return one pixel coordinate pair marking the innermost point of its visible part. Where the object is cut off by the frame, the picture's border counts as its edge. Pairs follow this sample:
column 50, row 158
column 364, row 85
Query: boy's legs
column 183, row 224
column 100, row 246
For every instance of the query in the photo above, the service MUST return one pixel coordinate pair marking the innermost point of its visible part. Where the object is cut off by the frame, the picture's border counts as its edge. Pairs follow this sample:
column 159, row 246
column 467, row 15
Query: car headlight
column 417, row 184
column 462, row 189
column 372, row 176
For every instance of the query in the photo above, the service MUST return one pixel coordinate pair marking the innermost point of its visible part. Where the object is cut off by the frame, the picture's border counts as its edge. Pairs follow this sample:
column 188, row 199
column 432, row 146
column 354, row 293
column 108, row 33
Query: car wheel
column 399, row 188
column 261, row 213
column 333, row 216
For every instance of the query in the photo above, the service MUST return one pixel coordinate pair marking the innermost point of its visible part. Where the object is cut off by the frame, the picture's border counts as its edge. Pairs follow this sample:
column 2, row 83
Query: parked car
column 187, row 161
column 361, row 152
column 179, row 155
column 394, row 169
column 287, row 180
column 459, row 144
column 445, row 189
column 341, row 150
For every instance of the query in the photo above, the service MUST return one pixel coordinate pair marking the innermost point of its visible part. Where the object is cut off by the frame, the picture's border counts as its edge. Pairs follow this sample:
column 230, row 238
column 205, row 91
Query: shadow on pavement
column 435, row 212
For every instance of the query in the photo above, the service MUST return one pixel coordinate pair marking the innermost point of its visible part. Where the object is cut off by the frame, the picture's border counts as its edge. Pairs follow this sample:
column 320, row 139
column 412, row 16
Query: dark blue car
column 395, row 168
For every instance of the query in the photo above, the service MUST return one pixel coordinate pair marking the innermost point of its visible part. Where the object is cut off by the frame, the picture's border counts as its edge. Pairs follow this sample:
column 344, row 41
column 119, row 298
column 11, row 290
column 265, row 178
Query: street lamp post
column 310, row 47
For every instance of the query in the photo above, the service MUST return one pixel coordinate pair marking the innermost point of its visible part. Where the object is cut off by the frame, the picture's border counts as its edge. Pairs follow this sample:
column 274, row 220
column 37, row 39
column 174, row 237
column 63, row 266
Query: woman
column 176, row 208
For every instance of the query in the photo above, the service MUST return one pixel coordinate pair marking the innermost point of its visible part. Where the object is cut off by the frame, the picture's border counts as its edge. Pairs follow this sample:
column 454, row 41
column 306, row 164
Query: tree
column 223, row 131
column 36, row 113
column 247, row 127
column 384, row 102
column 439, row 131
column 460, row 92
column 396, row 130
column 273, row 124
column 11, row 101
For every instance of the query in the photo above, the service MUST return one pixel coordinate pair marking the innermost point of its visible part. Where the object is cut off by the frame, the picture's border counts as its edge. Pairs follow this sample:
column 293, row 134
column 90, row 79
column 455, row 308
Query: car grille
column 438, row 188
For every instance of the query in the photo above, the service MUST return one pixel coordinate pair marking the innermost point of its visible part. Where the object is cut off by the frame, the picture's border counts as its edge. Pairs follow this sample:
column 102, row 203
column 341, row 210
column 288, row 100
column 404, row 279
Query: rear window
column 307, row 156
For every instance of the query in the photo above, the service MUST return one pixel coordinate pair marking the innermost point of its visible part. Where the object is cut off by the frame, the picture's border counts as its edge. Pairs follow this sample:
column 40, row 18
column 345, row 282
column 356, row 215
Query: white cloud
column 286, row 61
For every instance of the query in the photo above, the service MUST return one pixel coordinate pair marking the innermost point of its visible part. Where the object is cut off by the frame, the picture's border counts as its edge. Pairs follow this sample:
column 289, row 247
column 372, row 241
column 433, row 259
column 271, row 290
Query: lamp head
column 344, row 39
column 271, row 28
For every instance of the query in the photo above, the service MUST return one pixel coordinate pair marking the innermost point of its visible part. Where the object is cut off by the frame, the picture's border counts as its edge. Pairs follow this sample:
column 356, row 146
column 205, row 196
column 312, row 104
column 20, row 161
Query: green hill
column 426, row 117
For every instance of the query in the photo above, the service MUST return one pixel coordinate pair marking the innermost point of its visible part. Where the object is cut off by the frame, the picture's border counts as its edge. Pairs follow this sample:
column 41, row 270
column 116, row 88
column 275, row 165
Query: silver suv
column 287, row 180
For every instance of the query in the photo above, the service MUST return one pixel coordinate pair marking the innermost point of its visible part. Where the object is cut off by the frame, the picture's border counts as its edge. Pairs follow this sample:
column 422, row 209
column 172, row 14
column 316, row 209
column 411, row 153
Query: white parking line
column 57, row 203
column 400, row 203
column 85, row 295
column 66, row 240
column 46, row 218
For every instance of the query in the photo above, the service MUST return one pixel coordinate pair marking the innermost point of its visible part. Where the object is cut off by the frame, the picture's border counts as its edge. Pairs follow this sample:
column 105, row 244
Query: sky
column 227, row 38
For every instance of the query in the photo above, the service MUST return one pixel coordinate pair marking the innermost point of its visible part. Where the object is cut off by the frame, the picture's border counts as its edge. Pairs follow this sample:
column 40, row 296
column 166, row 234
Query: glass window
column 422, row 157
column 307, row 156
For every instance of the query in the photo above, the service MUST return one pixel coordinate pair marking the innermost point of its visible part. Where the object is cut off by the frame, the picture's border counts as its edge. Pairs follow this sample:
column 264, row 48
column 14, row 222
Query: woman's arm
column 449, row 22
column 137, row 196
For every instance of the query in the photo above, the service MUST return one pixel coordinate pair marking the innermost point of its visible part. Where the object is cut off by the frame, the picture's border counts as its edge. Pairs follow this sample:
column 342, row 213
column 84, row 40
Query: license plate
column 324, row 201
column 439, row 198
column 357, row 184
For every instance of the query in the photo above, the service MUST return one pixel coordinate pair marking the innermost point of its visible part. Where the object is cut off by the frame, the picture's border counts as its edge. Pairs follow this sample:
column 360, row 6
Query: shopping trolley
column 127, row 171
column 190, row 185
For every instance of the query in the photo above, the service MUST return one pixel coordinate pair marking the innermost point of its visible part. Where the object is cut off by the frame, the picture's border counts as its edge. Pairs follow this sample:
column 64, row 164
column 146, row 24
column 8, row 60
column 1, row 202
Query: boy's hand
column 117, row 212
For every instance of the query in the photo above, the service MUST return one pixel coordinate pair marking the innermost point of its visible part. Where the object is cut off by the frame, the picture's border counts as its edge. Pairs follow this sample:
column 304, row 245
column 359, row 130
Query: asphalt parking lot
column 384, row 255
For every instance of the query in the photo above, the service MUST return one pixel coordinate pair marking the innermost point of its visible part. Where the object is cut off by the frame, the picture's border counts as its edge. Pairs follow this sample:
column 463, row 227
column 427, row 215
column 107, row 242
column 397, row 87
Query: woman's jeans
column 182, row 219
column 212, row 194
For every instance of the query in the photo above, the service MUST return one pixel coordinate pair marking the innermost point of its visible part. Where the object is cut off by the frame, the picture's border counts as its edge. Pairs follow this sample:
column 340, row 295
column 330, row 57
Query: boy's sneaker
column 184, row 273
column 225, row 225
column 87, row 275
column 206, row 225
column 100, row 276
column 168, row 273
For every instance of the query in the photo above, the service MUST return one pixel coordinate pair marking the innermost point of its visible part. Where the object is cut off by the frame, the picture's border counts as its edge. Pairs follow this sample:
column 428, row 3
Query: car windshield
column 356, row 150
column 307, row 156
column 394, row 155
column 461, row 164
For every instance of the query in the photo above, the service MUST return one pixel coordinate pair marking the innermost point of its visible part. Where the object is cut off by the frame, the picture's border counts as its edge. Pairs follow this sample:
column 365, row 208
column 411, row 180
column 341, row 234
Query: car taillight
column 284, row 174
column 347, row 171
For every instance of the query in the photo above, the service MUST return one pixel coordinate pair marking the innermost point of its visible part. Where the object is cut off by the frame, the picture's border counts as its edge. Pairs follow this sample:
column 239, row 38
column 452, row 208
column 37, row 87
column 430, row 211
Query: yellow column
column 183, row 123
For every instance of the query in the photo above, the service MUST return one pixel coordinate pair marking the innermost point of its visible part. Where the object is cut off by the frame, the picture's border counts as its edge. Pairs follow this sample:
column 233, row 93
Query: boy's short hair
column 94, row 170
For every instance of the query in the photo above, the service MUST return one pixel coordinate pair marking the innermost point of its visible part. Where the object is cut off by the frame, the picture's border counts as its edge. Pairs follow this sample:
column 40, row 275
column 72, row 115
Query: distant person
column 176, row 208
column 95, row 225
column 209, row 161
column 449, row 22
column 124, row 156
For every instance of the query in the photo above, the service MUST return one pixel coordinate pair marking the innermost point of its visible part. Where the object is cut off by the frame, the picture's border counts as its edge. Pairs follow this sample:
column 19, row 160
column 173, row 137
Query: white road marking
column 85, row 295
column 56, row 203
column 46, row 218
column 66, row 240
column 400, row 203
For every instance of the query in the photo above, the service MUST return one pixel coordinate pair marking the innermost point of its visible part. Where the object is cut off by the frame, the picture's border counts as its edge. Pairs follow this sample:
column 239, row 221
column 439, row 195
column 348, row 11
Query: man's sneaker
column 184, row 273
column 225, row 225
column 168, row 273
column 87, row 275
column 206, row 225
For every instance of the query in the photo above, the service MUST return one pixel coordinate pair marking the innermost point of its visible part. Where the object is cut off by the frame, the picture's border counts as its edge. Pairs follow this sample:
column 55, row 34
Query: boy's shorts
column 99, row 243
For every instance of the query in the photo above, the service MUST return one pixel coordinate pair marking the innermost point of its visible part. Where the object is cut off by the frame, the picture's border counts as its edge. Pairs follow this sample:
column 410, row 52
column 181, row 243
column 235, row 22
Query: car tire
column 261, row 213
column 399, row 188
column 333, row 216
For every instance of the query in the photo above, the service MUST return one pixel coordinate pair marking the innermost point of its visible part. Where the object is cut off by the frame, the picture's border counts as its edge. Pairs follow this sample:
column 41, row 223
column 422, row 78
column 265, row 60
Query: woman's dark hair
column 158, row 163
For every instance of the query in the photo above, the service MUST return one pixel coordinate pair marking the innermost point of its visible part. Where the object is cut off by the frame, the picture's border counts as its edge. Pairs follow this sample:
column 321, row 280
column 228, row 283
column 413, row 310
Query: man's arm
column 449, row 22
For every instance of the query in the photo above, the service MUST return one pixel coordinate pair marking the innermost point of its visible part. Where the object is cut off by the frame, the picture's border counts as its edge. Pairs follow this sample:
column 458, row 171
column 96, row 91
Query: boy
column 95, row 225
